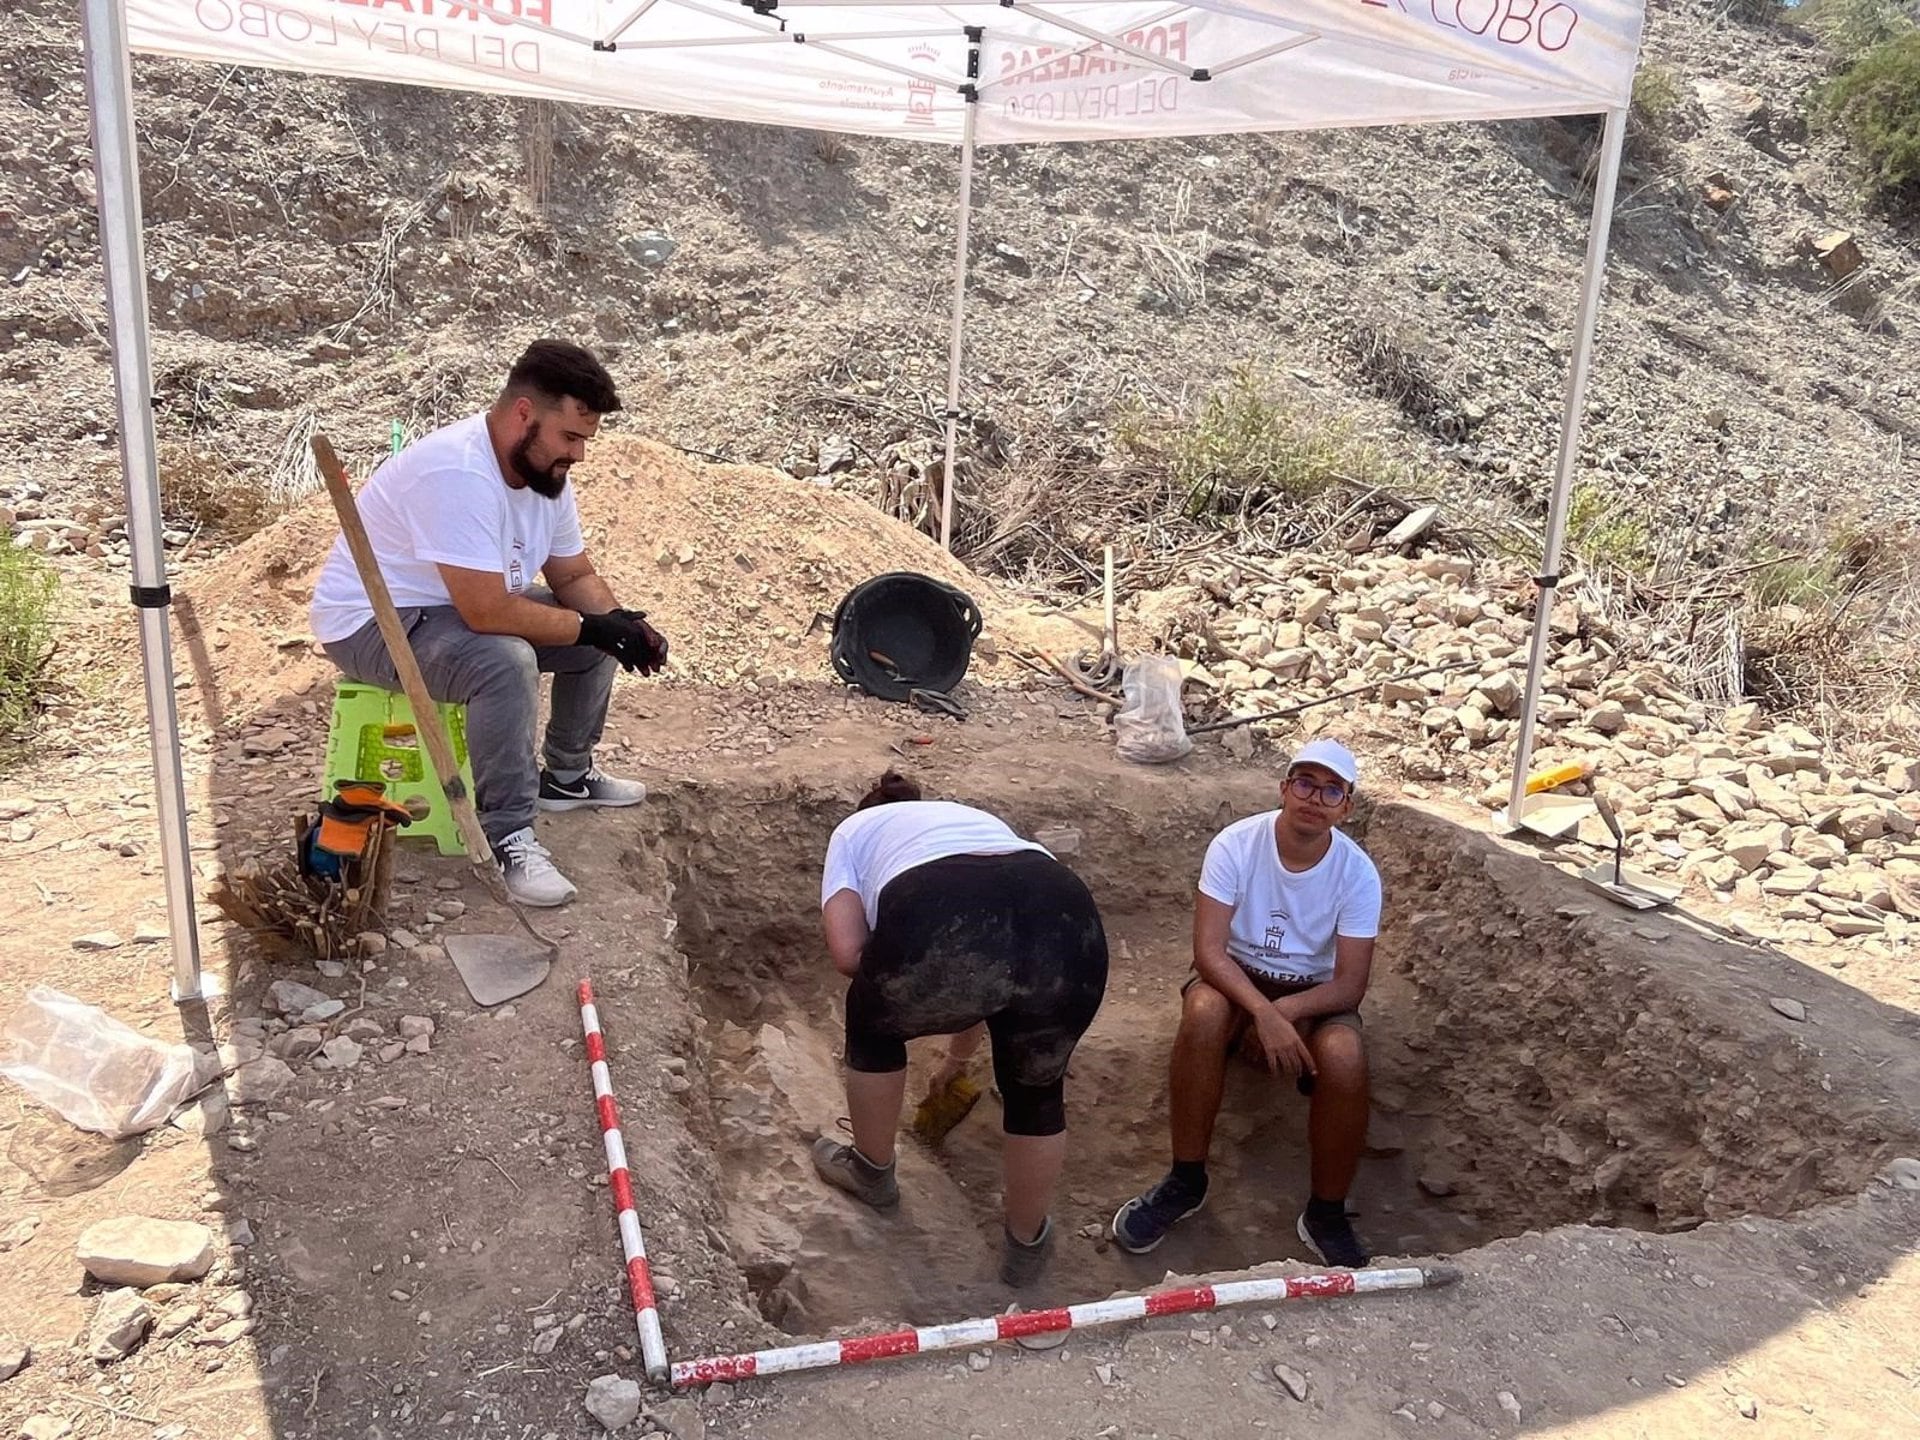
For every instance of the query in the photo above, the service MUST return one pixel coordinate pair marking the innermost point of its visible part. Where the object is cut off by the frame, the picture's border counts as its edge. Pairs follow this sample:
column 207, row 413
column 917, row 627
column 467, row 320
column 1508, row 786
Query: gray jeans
column 497, row 677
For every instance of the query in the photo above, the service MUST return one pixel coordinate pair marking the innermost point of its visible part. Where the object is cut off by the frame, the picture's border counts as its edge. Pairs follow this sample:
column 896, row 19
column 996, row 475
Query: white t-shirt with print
column 443, row 501
column 1285, row 921
column 871, row 847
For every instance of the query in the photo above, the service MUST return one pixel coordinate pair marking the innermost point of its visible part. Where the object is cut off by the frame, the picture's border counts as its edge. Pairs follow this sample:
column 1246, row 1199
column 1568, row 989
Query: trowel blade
column 1634, row 889
column 496, row 968
column 1553, row 816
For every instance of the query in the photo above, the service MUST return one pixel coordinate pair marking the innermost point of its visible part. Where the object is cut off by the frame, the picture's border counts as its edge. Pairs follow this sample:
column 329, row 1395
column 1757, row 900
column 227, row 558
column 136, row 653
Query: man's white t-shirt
column 443, row 501
column 1285, row 921
column 871, row 847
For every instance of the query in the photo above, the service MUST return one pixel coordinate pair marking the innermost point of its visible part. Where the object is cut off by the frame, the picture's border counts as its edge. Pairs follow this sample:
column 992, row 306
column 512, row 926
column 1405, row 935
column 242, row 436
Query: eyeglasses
column 1305, row 787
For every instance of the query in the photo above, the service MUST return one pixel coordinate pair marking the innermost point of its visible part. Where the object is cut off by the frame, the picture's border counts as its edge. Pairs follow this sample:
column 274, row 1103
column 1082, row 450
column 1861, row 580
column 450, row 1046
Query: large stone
column 1860, row 823
column 1838, row 253
column 613, row 1401
column 680, row 1418
column 1734, row 799
column 14, row 1355
column 1749, row 845
column 292, row 999
column 1819, row 851
column 205, row 1116
column 1609, row 717
column 299, row 1043
column 1699, row 807
column 119, row 1325
column 1797, row 881
column 260, row 1081
column 1848, row 927
column 340, row 1053
column 1503, row 691
column 1903, row 775
column 1866, row 887
column 137, row 1250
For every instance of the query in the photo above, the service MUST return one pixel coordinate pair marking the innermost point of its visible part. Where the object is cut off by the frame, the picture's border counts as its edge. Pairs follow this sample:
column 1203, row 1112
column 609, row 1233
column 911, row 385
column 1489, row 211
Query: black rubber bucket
column 904, row 631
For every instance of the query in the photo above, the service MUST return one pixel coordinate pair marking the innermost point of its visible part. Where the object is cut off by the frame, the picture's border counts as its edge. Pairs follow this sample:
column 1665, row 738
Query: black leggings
column 1013, row 940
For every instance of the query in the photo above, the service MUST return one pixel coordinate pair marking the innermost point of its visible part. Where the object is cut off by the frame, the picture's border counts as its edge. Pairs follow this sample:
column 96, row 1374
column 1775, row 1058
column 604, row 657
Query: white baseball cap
column 1330, row 755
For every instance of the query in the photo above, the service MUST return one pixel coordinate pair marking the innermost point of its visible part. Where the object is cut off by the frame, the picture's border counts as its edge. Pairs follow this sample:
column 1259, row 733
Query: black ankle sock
column 1192, row 1174
column 1318, row 1209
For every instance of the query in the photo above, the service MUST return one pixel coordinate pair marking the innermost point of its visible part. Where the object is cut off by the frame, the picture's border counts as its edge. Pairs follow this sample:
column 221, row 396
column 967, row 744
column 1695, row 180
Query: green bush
column 1655, row 107
column 1851, row 28
column 1877, row 105
column 26, row 636
column 1249, row 445
column 1603, row 530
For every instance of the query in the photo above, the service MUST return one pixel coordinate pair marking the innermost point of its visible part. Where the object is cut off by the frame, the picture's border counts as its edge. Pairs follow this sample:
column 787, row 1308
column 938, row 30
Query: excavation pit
column 1538, row 1058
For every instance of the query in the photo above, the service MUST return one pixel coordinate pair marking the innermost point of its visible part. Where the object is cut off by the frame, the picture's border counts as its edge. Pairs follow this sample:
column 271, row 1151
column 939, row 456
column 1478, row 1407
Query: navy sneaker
column 1332, row 1239
column 1143, row 1222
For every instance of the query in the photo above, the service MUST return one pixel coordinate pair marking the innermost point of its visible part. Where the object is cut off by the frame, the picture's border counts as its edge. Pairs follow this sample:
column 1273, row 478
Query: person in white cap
column 1283, row 934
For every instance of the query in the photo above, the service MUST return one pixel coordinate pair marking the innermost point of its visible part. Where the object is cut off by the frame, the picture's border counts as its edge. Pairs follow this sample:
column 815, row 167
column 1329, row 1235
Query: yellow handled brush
column 936, row 1116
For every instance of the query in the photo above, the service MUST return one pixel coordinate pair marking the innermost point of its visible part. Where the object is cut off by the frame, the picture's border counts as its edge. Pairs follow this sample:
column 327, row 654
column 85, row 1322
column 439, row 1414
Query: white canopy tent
column 966, row 74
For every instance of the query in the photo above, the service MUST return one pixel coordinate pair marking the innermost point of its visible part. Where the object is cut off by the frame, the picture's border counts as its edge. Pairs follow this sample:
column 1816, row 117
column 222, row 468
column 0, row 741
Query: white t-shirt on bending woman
column 443, row 501
column 1285, row 921
column 873, row 846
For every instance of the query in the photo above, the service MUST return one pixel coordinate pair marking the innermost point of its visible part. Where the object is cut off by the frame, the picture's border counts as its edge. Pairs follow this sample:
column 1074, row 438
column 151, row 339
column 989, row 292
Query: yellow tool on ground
column 937, row 1115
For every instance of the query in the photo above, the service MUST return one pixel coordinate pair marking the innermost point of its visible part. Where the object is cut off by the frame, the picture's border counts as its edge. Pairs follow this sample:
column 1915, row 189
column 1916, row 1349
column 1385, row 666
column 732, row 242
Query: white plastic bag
column 1151, row 728
column 92, row 1070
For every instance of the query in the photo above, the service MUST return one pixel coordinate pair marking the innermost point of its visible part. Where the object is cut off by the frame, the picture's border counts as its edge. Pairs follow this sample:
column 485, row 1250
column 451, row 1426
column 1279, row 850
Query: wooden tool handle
column 426, row 712
column 1611, row 820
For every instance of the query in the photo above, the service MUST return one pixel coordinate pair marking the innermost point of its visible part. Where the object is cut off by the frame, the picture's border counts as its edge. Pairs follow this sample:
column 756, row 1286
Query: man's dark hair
column 556, row 370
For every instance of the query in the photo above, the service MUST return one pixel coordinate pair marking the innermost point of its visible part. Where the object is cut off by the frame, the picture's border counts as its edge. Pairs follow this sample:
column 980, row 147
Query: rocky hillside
column 355, row 254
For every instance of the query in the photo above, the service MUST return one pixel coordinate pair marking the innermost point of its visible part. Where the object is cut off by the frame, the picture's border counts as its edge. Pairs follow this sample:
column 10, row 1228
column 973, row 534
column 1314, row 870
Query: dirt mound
column 739, row 566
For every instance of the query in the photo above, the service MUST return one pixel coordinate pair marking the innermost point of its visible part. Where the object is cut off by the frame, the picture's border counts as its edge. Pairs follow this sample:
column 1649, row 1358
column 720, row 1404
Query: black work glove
column 656, row 643
column 620, row 637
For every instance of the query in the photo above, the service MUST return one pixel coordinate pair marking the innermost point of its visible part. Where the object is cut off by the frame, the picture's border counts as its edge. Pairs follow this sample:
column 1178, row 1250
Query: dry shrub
column 1833, row 634
column 208, row 493
column 1402, row 368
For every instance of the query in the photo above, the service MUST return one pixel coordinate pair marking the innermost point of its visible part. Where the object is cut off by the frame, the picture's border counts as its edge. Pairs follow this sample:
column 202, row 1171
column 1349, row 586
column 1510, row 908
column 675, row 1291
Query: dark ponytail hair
column 893, row 786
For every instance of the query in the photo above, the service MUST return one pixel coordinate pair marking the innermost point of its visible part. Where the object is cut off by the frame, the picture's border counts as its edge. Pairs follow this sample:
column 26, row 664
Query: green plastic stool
column 372, row 737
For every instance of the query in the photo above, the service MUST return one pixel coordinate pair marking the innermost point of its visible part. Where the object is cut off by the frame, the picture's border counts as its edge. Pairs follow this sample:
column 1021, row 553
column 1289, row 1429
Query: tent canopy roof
column 1046, row 70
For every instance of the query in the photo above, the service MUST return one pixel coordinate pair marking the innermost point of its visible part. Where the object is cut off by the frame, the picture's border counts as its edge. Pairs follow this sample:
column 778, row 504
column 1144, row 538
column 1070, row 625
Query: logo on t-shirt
column 516, row 570
column 1276, row 932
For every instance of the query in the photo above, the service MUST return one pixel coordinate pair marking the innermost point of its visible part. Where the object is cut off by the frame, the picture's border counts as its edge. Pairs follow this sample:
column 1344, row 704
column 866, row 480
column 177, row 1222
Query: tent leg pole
column 1568, row 463
column 956, row 333
column 117, row 179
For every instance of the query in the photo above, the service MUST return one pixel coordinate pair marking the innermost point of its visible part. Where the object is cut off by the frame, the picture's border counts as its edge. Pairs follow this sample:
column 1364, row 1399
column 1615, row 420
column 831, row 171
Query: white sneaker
column 594, row 789
column 532, row 878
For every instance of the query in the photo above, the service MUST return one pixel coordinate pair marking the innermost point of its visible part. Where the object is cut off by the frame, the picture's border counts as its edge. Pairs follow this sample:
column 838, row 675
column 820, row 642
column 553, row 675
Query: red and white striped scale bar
column 965, row 1334
column 653, row 1345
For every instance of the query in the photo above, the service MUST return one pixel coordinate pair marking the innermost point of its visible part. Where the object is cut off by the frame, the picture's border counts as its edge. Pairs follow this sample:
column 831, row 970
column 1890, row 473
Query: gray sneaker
column 594, row 790
column 1022, row 1261
column 532, row 877
column 845, row 1168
